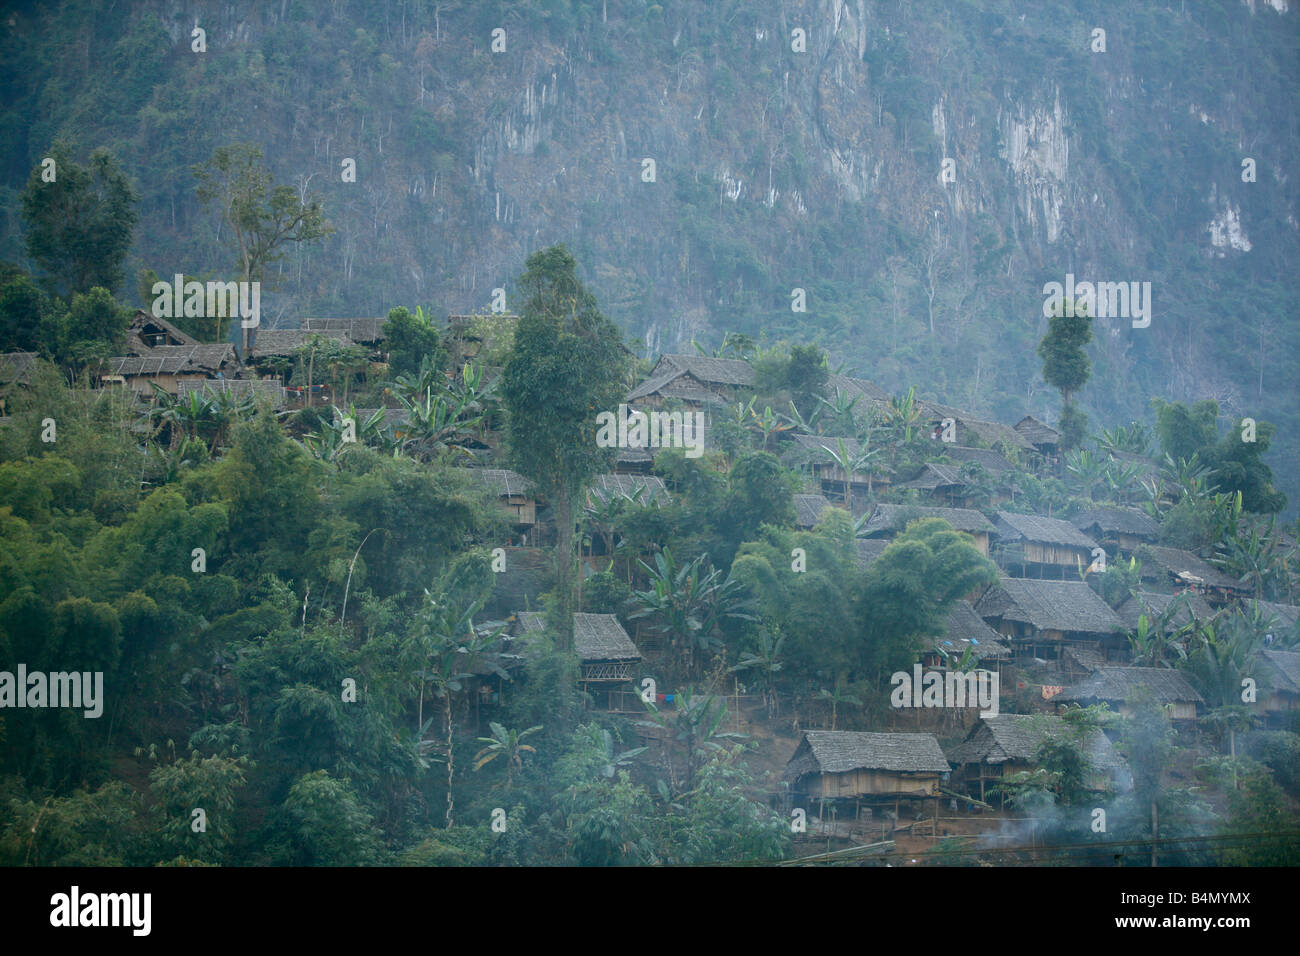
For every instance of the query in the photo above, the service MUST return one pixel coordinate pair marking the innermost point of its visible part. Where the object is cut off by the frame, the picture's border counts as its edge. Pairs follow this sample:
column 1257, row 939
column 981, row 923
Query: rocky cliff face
column 920, row 172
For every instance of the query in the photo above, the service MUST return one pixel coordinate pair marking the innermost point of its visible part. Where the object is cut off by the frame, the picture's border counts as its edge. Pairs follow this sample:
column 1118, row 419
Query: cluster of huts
column 158, row 353
column 1040, row 616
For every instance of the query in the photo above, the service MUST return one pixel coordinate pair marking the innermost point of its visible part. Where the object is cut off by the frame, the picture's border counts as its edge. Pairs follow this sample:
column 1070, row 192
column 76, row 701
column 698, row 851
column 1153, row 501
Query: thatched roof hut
column 605, row 488
column 1008, row 743
column 808, row 509
column 366, row 330
column 1119, row 685
column 260, row 389
column 268, row 342
column 892, row 519
column 1174, row 567
column 844, row 763
column 965, row 629
column 1043, row 437
column 1039, row 617
column 695, row 379
column 1192, row 607
column 148, row 332
column 168, row 365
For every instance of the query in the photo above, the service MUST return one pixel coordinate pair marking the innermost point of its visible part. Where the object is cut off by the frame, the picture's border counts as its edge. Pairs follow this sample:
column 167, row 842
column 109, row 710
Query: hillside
column 775, row 170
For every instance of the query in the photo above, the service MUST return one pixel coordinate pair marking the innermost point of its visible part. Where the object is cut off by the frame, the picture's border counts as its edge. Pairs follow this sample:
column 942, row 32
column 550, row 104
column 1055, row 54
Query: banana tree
column 839, row 408
column 905, row 417
column 695, row 726
column 507, row 744
column 765, row 662
column 768, row 424
column 689, row 602
column 445, row 649
column 839, row 695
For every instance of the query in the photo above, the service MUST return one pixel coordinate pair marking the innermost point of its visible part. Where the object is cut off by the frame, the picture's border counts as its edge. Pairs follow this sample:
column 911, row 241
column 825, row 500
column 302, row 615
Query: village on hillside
column 911, row 633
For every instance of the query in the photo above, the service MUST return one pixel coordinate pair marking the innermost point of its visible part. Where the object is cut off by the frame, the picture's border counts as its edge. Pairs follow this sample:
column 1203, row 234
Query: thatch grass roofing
column 987, row 458
column 287, row 341
column 258, row 388
column 365, row 329
column 603, row 488
column 1018, row 737
column 1166, row 686
column 15, row 367
column 808, row 509
column 1049, row 606
column 1117, row 521
column 1184, row 566
column 1287, row 614
column 1282, row 670
column 843, row 751
column 711, row 371
column 868, row 393
column 985, row 431
column 596, row 637
column 885, row 518
column 172, row 360
column 964, row 628
column 1041, row 529
column 1036, row 432
column 1192, row 607
column 869, row 549
column 935, row 474
column 141, row 325
column 502, row 480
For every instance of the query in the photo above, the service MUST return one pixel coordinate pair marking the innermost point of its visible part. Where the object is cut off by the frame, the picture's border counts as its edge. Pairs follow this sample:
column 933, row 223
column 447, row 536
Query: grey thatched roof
column 935, row 474
column 596, row 637
column 711, row 371
column 15, row 367
column 1037, row 528
column 287, row 341
column 868, row 393
column 964, row 628
column 605, row 487
column 885, row 518
column 1086, row 658
column 145, row 323
column 362, row 329
column 1036, row 432
column 987, row 458
column 502, row 480
column 1121, row 683
column 258, row 388
column 1017, row 737
column 1282, row 670
column 842, row 751
column 1287, row 614
column 869, row 549
column 822, row 449
column 1117, row 521
column 1049, row 606
column 1184, row 566
column 172, row 360
column 808, row 509
column 1152, row 604
column 985, row 431
column 600, row 637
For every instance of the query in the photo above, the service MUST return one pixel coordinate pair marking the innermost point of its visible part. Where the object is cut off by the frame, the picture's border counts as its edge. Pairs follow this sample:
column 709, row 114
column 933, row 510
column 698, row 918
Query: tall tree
column 567, row 364
column 1066, row 367
column 261, row 217
column 79, row 226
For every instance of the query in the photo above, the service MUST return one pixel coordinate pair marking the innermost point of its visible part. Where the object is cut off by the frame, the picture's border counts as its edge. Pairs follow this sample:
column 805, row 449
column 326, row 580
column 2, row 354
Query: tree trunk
column 564, row 565
column 450, row 757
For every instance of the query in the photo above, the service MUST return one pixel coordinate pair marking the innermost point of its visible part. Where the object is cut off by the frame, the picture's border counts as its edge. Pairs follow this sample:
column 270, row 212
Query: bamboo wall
column 857, row 783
